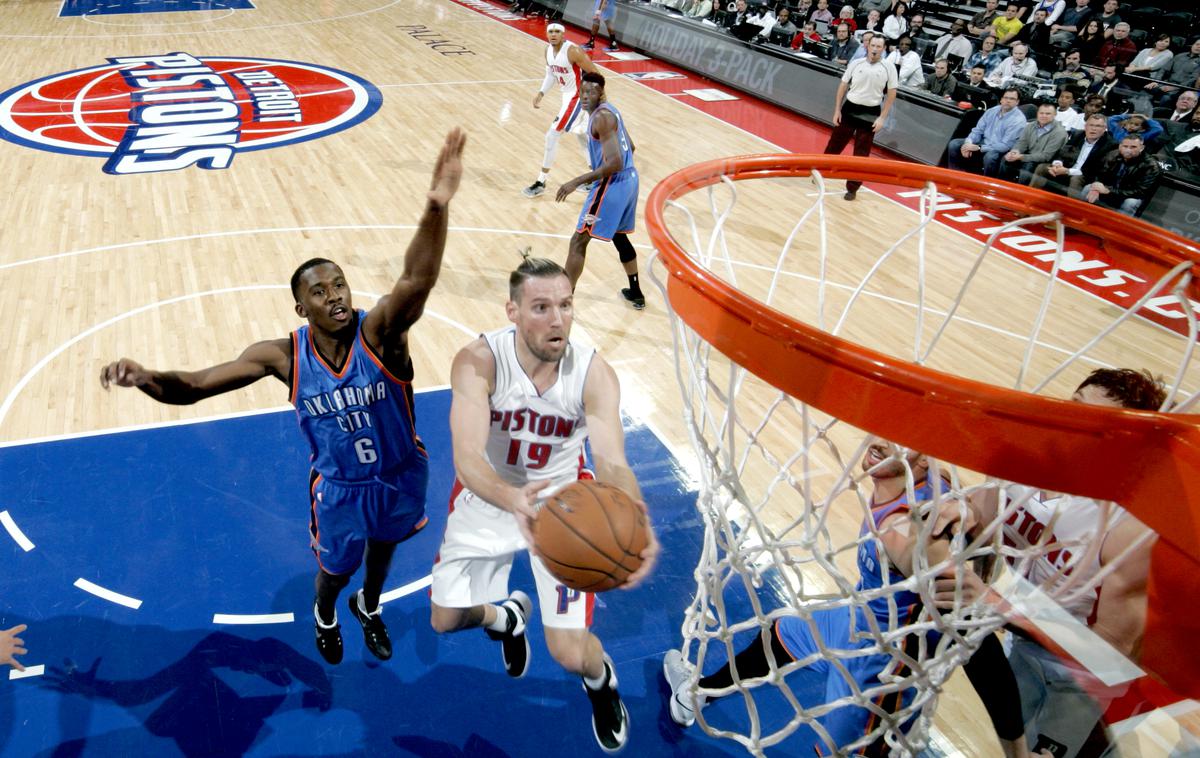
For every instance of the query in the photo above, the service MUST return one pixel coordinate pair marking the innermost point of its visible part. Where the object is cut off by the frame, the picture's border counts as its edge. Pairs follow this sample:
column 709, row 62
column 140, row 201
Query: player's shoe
column 534, row 189
column 329, row 639
column 589, row 45
column 612, row 48
column 638, row 301
column 514, row 645
column 610, row 720
column 676, row 671
column 375, row 634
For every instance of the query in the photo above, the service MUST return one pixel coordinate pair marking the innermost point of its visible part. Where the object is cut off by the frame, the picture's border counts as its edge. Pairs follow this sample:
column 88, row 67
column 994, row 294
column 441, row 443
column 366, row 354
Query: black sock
column 751, row 663
column 634, row 288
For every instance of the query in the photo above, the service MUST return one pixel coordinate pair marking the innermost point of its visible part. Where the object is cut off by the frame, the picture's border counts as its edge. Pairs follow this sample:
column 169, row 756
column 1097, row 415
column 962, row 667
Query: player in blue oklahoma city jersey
column 792, row 639
column 349, row 374
column 611, row 205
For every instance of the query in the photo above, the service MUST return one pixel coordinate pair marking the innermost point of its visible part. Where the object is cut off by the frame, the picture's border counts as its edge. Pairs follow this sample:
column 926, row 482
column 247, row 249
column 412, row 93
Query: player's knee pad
column 552, row 136
column 625, row 251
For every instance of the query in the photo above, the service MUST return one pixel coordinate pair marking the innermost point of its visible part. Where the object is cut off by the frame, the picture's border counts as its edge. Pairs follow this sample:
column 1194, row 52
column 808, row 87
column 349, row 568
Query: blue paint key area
column 122, row 7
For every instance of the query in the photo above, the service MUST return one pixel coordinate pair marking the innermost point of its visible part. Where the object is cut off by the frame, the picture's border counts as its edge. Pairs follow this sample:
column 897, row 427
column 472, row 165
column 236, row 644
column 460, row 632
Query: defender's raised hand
column 447, row 172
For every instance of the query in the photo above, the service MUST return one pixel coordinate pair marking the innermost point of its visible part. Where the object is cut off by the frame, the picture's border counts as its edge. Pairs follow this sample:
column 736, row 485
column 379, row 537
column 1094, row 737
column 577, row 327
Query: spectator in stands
column 954, row 42
column 764, row 19
column 846, row 16
column 987, row 55
column 1119, row 49
column 1127, row 177
column 981, row 23
column 895, row 25
column 916, row 26
column 976, row 74
column 807, row 34
column 1109, row 17
column 1181, row 150
column 1185, row 106
column 1018, row 66
column 872, row 24
column 1184, row 72
column 804, row 9
column 1066, row 114
column 739, row 16
column 783, row 23
column 941, row 82
column 1054, row 10
column 1006, row 27
column 998, row 130
column 879, row 6
column 1041, row 139
column 1093, row 104
column 822, row 13
column 907, row 63
column 861, row 52
column 1036, row 35
column 1079, row 157
column 1104, row 86
column 1153, row 61
column 1072, row 73
column 844, row 45
column 1063, row 31
column 1122, row 125
column 869, row 88
column 1089, row 41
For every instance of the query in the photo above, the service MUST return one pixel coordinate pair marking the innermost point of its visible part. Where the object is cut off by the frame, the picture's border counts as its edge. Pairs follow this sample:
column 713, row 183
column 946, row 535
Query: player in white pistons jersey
column 524, row 401
column 1061, row 703
column 565, row 64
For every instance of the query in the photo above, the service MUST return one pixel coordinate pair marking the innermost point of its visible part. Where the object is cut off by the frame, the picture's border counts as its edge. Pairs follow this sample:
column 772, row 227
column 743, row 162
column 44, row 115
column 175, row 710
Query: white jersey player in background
column 565, row 64
column 1094, row 560
column 524, row 400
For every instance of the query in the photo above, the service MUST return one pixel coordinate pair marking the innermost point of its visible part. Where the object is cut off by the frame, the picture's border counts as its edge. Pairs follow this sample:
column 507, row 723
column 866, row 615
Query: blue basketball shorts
column 346, row 514
column 848, row 723
column 611, row 206
column 610, row 10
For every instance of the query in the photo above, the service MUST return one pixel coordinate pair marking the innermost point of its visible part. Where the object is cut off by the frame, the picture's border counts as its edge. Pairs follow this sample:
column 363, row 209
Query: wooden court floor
column 183, row 268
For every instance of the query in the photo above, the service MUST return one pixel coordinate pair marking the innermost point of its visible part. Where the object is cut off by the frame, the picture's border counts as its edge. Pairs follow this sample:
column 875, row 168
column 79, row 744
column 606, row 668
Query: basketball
column 590, row 536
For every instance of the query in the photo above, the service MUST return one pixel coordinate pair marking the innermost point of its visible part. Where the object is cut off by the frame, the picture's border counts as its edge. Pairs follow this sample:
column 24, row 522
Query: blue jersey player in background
column 611, row 204
column 349, row 374
column 793, row 639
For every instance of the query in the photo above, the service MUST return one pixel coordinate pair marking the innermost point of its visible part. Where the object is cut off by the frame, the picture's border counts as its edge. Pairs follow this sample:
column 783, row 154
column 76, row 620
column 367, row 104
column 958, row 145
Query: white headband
column 556, row 28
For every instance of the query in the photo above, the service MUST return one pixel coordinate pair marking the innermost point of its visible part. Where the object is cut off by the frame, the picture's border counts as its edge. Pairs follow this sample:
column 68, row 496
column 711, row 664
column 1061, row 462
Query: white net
column 788, row 504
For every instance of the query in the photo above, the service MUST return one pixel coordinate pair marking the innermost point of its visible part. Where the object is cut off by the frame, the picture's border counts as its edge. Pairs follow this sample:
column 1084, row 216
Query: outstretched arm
column 268, row 358
column 602, row 406
column 392, row 316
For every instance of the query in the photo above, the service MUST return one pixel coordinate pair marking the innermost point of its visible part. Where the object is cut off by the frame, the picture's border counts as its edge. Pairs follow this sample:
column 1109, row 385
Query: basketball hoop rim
column 1133, row 457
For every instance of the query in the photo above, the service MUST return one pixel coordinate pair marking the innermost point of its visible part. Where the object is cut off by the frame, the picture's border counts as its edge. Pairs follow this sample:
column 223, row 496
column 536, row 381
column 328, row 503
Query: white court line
column 447, row 84
column 29, row 671
column 251, row 618
column 107, row 594
column 407, row 589
column 15, row 532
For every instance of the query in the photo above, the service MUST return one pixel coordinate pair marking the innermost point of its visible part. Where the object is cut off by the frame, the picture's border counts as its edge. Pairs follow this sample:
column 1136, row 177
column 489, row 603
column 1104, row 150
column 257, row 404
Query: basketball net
column 782, row 491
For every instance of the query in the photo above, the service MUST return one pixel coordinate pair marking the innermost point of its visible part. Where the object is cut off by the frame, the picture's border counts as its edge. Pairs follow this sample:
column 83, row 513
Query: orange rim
column 1147, row 461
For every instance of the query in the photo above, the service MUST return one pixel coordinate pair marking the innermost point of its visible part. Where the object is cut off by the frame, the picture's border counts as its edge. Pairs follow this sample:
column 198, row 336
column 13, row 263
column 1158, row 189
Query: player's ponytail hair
column 531, row 268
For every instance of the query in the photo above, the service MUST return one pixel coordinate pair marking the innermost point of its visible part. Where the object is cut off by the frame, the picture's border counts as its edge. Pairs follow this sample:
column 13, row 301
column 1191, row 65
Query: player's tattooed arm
column 262, row 359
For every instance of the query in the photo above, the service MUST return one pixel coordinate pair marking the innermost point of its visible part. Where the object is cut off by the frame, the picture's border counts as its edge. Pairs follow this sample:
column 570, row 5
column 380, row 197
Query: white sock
column 598, row 683
column 542, row 176
column 362, row 605
column 320, row 623
column 502, row 619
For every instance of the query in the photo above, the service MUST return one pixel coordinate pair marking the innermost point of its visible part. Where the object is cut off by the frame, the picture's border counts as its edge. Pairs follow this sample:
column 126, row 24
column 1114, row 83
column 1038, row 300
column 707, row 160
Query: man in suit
column 1185, row 106
column 1080, row 157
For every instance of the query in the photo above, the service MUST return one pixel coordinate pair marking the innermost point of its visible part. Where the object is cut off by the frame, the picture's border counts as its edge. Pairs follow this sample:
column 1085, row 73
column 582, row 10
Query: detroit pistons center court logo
column 167, row 112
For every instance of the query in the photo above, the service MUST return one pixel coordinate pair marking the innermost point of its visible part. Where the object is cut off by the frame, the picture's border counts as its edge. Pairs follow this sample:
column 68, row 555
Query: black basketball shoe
column 534, row 189
column 637, row 300
column 610, row 720
column 329, row 639
column 374, row 632
column 514, row 645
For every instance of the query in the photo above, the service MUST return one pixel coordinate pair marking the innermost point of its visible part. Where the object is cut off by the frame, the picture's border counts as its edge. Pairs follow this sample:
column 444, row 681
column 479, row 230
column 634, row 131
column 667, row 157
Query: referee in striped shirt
column 864, row 97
